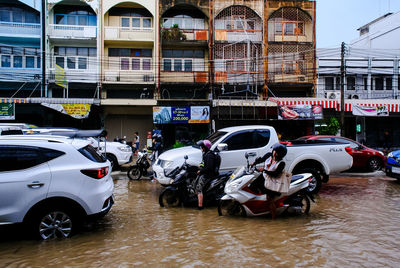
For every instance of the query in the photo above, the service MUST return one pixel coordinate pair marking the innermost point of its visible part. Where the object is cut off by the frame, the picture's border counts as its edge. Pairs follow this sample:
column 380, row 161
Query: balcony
column 20, row 74
column 57, row 31
column 76, row 68
column 112, row 33
column 20, row 30
column 237, row 35
column 184, row 77
column 137, row 70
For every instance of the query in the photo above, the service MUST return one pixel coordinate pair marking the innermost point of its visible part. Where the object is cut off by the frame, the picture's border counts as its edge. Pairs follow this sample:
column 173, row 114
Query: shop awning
column 393, row 105
column 51, row 100
column 325, row 103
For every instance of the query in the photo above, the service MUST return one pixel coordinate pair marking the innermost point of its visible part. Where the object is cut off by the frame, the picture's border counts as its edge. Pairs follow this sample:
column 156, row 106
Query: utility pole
column 43, row 47
column 342, row 75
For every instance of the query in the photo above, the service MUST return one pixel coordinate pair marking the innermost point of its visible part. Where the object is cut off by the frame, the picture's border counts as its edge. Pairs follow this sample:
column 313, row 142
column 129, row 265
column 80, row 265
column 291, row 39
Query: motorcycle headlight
column 381, row 153
column 167, row 163
column 125, row 149
column 390, row 154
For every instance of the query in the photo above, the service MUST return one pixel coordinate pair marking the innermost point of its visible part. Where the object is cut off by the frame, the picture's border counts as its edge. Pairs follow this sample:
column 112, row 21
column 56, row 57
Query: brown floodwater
column 354, row 222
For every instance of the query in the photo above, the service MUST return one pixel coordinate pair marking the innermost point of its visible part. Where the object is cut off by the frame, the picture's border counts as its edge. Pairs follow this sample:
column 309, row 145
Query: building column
column 395, row 79
column 369, row 80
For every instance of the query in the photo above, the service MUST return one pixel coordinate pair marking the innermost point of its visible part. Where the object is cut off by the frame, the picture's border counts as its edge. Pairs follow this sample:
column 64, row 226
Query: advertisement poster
column 191, row 115
column 300, row 112
column 199, row 114
column 76, row 110
column 7, row 111
column 370, row 111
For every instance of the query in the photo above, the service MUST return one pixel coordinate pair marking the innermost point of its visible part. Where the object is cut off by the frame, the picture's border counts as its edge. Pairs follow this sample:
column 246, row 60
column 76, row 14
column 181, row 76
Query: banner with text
column 360, row 110
column 300, row 112
column 7, row 111
column 75, row 110
column 191, row 115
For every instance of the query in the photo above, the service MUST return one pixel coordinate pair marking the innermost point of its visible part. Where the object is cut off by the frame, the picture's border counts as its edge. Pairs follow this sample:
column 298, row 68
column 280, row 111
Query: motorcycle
column 181, row 190
column 243, row 198
column 140, row 168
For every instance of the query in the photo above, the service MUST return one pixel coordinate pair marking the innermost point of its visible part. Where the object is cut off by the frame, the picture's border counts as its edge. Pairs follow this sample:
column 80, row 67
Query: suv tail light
column 96, row 173
column 349, row 150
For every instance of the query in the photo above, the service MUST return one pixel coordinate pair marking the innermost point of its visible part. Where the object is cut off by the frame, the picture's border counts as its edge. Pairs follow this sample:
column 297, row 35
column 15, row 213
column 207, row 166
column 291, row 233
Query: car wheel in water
column 374, row 164
column 54, row 223
column 134, row 173
column 230, row 208
column 316, row 181
column 114, row 162
column 169, row 198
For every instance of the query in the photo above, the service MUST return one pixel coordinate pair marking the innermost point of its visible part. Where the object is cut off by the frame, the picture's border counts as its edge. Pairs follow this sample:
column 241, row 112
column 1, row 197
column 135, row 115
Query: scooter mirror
column 246, row 155
column 186, row 157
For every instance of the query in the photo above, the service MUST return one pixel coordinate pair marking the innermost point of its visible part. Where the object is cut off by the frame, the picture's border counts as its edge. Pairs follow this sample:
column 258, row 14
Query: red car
column 364, row 158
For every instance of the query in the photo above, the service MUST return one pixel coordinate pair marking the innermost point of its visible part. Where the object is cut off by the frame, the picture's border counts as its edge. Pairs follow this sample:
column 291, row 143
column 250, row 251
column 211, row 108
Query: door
column 239, row 143
column 24, row 179
column 359, row 156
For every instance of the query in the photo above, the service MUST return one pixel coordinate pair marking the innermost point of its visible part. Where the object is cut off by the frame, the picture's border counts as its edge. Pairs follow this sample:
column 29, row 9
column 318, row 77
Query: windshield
column 213, row 137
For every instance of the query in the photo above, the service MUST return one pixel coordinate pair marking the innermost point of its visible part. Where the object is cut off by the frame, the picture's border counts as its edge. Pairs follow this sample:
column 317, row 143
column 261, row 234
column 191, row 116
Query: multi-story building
column 129, row 56
column 20, row 49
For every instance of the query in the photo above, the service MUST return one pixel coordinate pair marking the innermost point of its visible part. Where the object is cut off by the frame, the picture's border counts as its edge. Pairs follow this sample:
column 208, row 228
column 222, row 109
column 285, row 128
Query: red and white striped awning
column 325, row 103
column 393, row 105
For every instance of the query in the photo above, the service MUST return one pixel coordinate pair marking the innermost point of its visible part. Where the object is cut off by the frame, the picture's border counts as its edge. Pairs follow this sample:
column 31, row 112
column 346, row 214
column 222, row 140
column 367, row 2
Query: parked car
column 52, row 184
column 10, row 130
column 319, row 158
column 392, row 168
column 364, row 158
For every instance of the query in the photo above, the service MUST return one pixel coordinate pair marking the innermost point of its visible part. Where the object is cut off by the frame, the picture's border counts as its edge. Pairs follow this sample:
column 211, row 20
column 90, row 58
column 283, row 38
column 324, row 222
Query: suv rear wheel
column 54, row 222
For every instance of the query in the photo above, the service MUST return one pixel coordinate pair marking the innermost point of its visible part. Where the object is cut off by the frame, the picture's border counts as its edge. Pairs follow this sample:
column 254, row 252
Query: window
column 188, row 65
column 124, row 22
column 329, row 83
column 71, row 62
column 17, row 62
column 19, row 157
column 262, row 137
column 30, row 62
column 124, row 64
column 240, row 141
column 146, row 64
column 70, row 15
column 177, row 65
column 136, row 22
column 60, row 61
column 167, row 65
column 5, row 61
column 353, row 145
column 289, row 29
column 146, row 23
column 135, row 64
column 378, row 83
column 365, row 83
column 82, row 63
column 351, row 83
column 9, row 13
column 90, row 153
column 129, row 52
column 389, row 84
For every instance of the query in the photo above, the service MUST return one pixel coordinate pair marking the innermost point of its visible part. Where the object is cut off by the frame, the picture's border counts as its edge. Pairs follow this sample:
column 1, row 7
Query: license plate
column 396, row 170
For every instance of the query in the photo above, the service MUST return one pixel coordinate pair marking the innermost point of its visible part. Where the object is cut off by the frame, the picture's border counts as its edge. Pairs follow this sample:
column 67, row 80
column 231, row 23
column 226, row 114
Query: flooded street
column 354, row 222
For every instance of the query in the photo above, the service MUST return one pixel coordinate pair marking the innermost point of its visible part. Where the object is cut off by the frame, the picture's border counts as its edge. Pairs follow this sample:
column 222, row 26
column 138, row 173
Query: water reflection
column 354, row 223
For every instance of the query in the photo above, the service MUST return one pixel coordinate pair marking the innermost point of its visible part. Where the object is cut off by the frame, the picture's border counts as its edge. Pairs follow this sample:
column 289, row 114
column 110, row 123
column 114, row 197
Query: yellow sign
column 60, row 77
column 77, row 110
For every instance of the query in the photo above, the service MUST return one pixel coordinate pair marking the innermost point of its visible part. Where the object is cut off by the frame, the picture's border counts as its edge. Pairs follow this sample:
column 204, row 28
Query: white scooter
column 242, row 197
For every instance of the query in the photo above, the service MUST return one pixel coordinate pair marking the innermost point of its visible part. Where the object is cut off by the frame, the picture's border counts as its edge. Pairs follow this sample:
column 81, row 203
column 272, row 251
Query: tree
column 332, row 127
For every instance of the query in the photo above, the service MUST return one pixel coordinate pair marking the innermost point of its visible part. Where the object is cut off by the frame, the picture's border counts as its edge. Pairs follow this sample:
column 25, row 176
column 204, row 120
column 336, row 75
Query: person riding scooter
column 208, row 170
column 273, row 167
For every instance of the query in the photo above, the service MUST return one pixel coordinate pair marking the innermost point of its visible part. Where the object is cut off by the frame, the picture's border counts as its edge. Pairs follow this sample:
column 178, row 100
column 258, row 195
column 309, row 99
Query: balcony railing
column 184, row 77
column 129, row 33
column 238, row 35
column 72, row 31
column 20, row 74
column 19, row 29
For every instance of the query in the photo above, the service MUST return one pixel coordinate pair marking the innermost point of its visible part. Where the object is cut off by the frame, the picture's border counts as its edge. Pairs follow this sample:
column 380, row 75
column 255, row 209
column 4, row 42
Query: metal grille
column 237, row 11
column 292, row 14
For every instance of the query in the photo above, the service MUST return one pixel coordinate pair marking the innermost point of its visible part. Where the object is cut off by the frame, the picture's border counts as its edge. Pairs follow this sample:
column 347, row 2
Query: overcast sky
column 338, row 20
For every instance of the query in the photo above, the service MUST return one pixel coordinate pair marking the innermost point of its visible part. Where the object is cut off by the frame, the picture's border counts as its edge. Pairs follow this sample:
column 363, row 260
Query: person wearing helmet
column 273, row 167
column 207, row 170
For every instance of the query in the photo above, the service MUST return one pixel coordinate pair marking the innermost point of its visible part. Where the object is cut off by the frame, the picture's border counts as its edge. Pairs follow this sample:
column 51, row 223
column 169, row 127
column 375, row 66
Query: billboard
column 171, row 115
column 300, row 112
column 7, row 111
column 360, row 110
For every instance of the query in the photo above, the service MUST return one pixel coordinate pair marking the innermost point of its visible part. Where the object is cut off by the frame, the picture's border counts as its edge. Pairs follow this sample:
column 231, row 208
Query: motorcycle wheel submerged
column 300, row 205
column 134, row 173
column 230, row 208
column 169, row 198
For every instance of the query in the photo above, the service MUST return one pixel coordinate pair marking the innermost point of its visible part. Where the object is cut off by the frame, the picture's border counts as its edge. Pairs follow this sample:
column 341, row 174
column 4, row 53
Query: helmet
column 280, row 149
column 206, row 144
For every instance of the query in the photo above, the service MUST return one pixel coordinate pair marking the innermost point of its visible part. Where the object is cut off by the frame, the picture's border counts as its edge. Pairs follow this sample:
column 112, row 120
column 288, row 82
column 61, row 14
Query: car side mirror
column 222, row 147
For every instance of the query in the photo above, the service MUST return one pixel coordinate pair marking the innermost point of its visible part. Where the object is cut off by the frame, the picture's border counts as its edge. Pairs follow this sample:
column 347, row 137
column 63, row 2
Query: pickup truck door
column 239, row 143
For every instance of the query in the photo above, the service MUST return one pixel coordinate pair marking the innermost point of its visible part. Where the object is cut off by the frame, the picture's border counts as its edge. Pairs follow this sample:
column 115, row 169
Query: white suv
column 52, row 184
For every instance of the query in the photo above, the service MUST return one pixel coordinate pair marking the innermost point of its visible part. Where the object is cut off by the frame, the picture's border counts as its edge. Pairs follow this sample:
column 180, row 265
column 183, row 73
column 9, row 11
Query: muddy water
column 355, row 222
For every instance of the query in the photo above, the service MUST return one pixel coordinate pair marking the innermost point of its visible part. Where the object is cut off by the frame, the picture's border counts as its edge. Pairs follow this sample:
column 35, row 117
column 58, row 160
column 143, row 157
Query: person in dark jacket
column 273, row 167
column 208, row 169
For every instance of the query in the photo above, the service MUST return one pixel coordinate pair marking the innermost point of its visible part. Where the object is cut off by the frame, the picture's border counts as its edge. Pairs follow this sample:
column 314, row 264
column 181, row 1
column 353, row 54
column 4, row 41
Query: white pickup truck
column 320, row 159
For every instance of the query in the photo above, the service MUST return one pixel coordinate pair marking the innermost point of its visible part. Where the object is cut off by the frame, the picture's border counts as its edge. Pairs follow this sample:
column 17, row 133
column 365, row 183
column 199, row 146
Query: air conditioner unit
column 147, row 78
column 302, row 78
column 354, row 96
column 36, row 77
column 112, row 77
column 333, row 95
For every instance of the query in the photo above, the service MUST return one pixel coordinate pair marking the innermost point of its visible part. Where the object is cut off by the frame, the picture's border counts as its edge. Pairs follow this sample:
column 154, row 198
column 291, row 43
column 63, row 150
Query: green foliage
column 178, row 144
column 173, row 34
column 332, row 127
